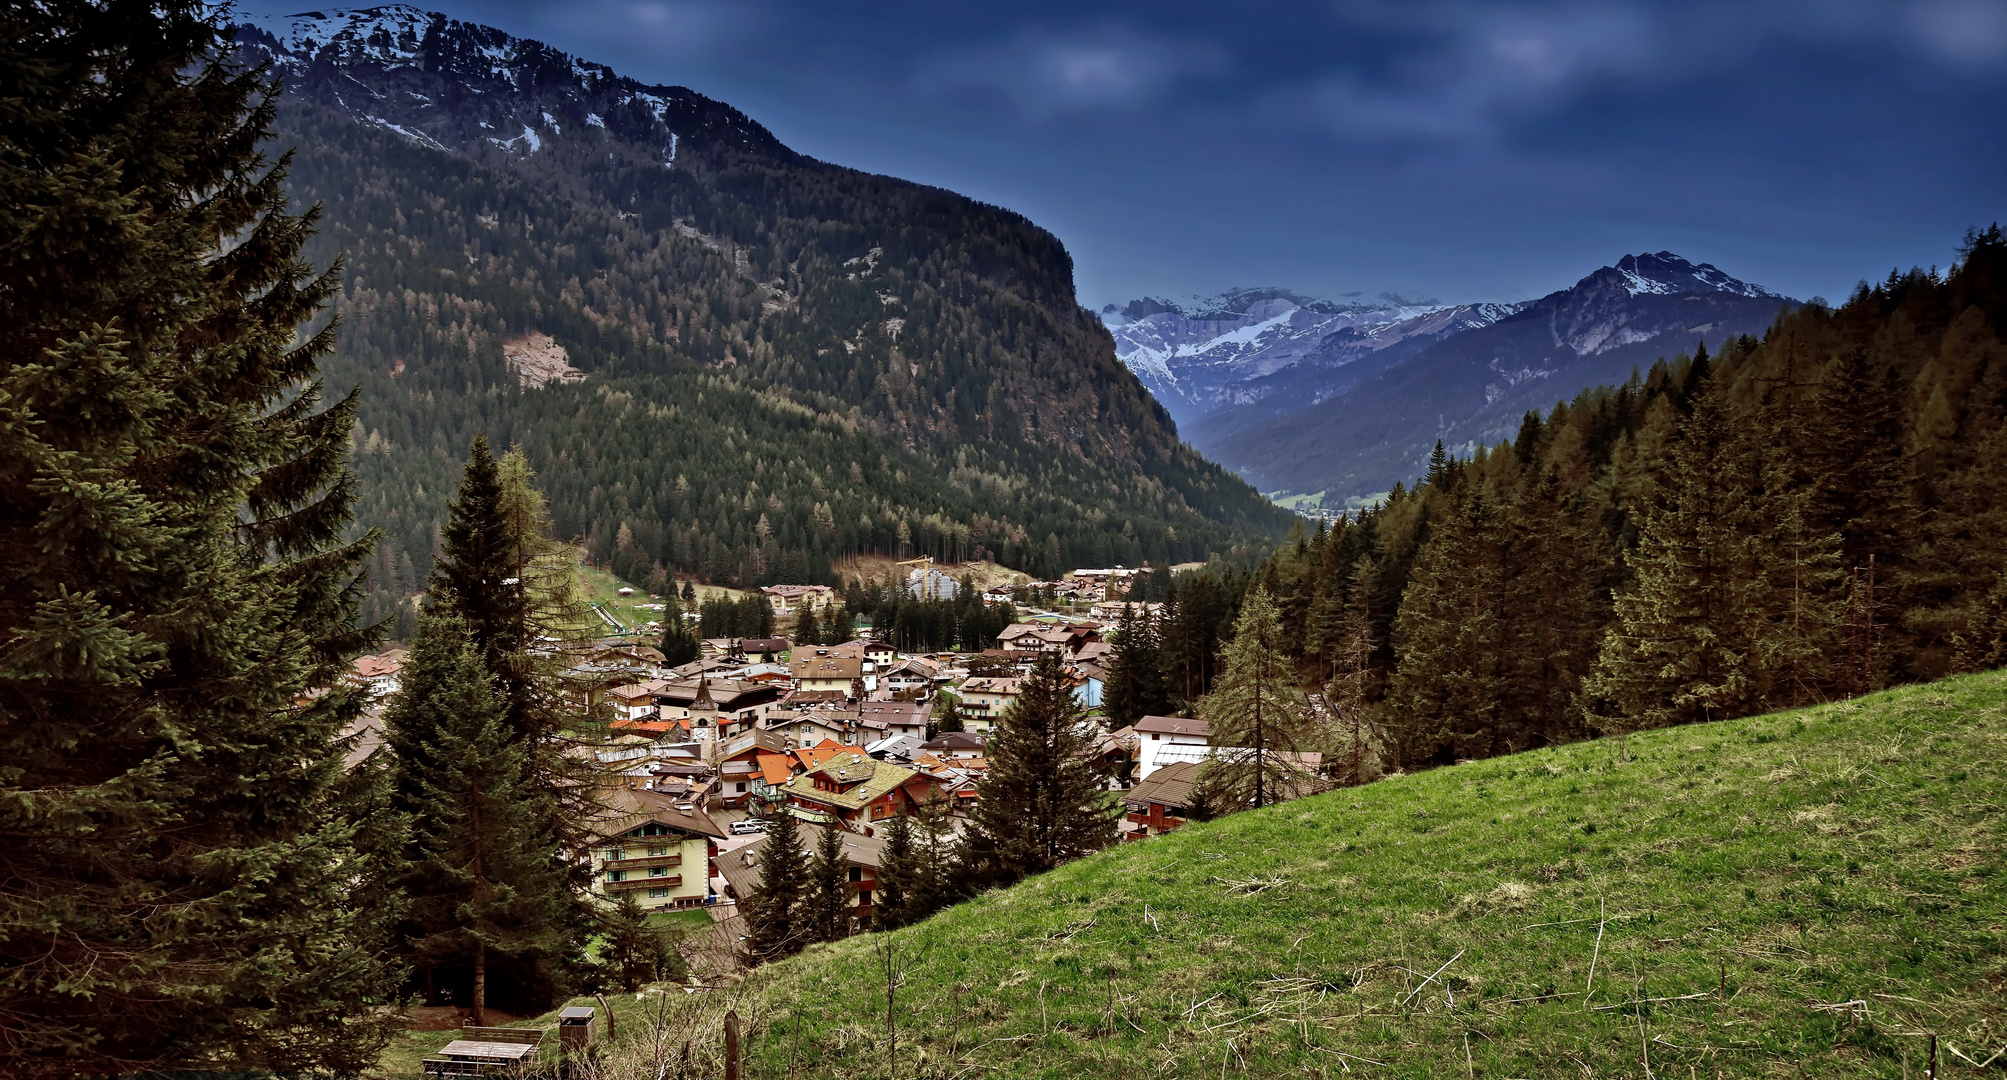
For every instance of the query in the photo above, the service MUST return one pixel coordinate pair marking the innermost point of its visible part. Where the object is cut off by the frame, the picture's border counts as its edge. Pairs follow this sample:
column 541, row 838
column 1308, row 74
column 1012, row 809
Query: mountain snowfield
column 1306, row 397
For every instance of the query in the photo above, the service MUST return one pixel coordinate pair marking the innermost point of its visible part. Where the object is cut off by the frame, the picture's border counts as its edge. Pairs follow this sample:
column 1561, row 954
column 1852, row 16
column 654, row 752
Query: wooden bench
column 480, row 1050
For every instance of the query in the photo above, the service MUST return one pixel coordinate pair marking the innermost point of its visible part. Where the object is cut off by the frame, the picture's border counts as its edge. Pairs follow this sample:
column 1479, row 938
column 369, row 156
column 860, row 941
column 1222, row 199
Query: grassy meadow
column 1807, row 893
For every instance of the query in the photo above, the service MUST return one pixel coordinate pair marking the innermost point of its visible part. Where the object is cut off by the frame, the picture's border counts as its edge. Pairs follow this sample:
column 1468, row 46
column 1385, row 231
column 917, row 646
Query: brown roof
column 627, row 808
column 765, row 645
column 1174, row 725
column 827, row 664
column 907, row 713
column 988, row 685
column 1169, row 786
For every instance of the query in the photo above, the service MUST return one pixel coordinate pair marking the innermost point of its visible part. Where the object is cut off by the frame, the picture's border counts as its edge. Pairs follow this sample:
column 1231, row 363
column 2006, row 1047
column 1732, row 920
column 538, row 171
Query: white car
column 750, row 825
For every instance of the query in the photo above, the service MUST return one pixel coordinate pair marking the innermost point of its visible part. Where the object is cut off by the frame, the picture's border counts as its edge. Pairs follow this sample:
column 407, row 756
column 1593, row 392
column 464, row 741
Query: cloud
column 673, row 28
column 1968, row 31
column 1104, row 68
column 1455, row 71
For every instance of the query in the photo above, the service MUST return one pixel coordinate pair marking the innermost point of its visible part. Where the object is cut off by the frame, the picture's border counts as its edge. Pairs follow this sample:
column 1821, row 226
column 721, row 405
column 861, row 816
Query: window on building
column 614, row 854
column 616, row 875
column 864, row 897
column 658, row 871
column 742, row 785
column 658, row 850
column 857, row 873
column 657, row 894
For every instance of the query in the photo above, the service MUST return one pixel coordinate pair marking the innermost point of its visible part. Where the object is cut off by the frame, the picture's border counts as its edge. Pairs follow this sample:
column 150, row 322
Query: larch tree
column 484, row 892
column 1259, row 727
column 1041, row 801
column 174, row 573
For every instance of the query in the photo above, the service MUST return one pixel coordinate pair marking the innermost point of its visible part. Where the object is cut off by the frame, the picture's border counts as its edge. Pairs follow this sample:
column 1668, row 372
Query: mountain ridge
column 1362, row 408
column 847, row 362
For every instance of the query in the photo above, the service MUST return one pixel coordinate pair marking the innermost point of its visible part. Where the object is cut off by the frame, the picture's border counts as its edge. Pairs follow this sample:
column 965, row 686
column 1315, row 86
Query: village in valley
column 702, row 757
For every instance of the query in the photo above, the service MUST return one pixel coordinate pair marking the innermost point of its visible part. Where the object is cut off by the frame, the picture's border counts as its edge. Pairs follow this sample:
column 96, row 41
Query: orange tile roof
column 774, row 768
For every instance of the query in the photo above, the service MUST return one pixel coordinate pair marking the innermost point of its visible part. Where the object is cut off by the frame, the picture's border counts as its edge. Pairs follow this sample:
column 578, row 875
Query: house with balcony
column 984, row 699
column 1159, row 804
column 790, row 599
column 653, row 846
column 857, row 792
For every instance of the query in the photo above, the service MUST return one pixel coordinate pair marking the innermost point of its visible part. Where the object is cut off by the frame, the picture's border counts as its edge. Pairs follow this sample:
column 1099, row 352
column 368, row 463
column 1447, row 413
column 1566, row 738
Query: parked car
column 750, row 825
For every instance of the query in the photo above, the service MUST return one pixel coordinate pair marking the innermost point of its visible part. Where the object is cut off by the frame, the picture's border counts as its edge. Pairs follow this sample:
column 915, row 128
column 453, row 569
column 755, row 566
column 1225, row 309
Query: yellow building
column 654, row 848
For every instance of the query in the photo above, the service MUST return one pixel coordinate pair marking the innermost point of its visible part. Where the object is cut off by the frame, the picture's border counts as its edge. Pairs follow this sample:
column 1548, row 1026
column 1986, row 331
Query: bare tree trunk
column 480, row 1014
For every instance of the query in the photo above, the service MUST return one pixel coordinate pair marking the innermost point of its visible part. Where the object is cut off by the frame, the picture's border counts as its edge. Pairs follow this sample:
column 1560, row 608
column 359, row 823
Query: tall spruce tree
column 1135, row 686
column 807, row 631
column 898, row 873
column 1040, row 802
column 776, row 926
column 489, row 908
column 1682, row 647
column 1447, row 695
column 826, row 906
column 679, row 642
column 173, row 575
column 1258, row 725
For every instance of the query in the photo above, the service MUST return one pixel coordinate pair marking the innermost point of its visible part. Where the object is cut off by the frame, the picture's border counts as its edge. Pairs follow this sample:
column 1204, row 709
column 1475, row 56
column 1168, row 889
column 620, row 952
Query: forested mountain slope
column 783, row 360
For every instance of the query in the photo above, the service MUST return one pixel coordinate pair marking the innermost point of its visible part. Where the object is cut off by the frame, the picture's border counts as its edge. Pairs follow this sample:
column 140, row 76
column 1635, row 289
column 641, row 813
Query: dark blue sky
column 1441, row 149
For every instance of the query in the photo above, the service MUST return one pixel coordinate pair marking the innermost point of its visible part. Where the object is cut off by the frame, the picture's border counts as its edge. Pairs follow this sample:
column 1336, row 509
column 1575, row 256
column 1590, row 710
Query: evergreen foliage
column 174, row 490
column 1805, row 516
column 1135, row 686
column 680, row 644
column 486, row 890
column 1259, row 725
column 637, row 952
column 788, row 362
column 1041, row 801
column 776, row 924
column 827, row 903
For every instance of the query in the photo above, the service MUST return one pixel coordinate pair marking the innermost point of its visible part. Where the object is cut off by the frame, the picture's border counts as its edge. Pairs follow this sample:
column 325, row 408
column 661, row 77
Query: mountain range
column 724, row 359
column 1343, row 400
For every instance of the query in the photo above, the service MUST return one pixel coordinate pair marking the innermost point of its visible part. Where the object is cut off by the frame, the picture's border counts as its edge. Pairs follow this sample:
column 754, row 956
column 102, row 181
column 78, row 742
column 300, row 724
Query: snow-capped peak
column 388, row 35
column 1665, row 273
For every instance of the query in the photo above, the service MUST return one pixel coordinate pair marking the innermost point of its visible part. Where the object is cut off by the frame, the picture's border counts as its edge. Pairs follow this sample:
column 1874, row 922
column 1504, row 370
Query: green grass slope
column 1808, row 893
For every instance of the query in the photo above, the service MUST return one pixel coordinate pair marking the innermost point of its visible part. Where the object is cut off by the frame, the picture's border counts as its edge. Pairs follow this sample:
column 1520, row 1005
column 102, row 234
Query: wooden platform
column 483, row 1049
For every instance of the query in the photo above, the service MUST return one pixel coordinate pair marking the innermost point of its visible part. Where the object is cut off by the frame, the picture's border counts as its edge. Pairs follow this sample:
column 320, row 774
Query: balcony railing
column 673, row 881
column 643, row 862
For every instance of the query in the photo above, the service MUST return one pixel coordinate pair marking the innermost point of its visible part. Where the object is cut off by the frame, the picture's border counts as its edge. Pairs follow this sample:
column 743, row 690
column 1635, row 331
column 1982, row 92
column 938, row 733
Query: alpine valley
column 722, row 358
column 1339, row 401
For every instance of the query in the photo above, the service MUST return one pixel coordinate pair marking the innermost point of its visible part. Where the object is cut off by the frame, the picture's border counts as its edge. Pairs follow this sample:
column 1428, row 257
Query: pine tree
column 174, row 493
column 637, row 951
column 826, row 907
column 514, row 587
column 1257, row 726
column 1040, row 802
column 679, row 643
column 898, row 874
column 1135, row 685
column 487, row 892
column 776, row 926
column 1447, row 696
column 840, row 628
column 1682, row 647
column 806, row 631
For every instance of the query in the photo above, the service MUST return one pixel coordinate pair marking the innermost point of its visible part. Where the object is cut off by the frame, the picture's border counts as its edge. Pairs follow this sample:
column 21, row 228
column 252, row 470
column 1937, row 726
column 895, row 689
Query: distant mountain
column 1210, row 352
column 723, row 358
column 1473, row 384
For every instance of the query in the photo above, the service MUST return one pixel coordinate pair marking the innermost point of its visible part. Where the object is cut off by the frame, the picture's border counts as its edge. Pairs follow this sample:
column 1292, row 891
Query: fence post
column 731, row 1045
